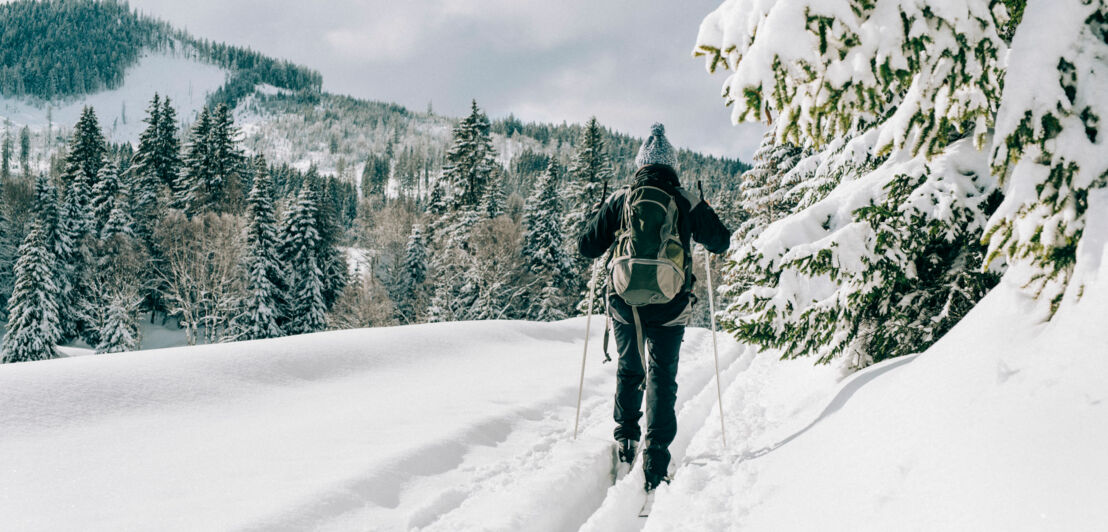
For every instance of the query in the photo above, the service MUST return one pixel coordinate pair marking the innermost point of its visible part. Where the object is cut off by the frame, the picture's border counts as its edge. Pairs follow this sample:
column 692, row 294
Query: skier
column 643, row 310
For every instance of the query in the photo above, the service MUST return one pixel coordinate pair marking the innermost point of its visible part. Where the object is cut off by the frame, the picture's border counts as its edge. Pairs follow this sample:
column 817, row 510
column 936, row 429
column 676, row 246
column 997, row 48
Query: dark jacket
column 696, row 221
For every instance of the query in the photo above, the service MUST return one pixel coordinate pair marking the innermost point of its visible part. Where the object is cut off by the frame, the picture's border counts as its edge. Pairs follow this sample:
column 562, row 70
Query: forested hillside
column 65, row 48
column 271, row 207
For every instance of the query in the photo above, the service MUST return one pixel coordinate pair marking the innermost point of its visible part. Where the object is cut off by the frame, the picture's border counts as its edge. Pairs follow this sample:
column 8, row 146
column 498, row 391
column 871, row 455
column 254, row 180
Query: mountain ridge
column 265, row 92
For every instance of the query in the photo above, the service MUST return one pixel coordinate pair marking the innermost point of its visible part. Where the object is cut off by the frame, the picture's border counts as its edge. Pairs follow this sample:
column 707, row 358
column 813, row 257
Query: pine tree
column 7, row 251
column 6, row 153
column 415, row 259
column 87, row 150
column 104, row 196
column 764, row 196
column 375, row 176
column 543, row 246
column 300, row 254
column 1049, row 149
column 119, row 223
column 144, row 179
column 470, row 161
column 72, row 227
column 191, row 189
column 415, row 273
column 437, row 202
column 551, row 303
column 587, row 175
column 224, row 186
column 25, row 150
column 881, row 257
column 33, row 327
column 493, row 202
column 166, row 163
column 591, row 168
column 120, row 331
column 260, row 315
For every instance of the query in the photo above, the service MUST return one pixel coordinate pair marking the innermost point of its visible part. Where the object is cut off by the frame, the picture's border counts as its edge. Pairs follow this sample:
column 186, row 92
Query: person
column 663, row 324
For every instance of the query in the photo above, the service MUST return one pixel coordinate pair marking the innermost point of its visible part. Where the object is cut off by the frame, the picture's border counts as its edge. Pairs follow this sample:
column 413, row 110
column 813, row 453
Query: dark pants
column 663, row 346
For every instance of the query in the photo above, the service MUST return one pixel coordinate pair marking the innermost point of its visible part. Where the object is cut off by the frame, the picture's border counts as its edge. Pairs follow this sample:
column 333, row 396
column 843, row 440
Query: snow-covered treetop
column 824, row 69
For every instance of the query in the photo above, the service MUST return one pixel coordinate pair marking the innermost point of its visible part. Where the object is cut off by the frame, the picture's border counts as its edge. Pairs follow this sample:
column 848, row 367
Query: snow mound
column 998, row 426
column 457, row 426
column 186, row 80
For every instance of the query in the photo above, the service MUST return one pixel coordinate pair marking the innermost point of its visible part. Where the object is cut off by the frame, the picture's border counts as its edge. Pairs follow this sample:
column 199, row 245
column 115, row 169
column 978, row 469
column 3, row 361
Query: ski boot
column 626, row 450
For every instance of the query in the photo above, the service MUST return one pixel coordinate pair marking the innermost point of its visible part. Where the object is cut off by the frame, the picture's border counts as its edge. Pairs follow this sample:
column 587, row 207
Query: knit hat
column 656, row 149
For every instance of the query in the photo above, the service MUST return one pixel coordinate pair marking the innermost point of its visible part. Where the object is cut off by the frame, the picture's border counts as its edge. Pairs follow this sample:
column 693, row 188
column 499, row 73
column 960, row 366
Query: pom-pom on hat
column 656, row 149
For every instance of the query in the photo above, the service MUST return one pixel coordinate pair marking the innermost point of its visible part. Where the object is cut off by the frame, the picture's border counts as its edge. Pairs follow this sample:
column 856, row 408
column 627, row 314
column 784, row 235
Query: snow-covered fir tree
column 191, row 188
column 25, row 150
column 119, row 222
column 224, row 186
column 166, row 163
column 585, row 180
column 885, row 258
column 410, row 301
column 260, row 315
column 543, row 242
column 155, row 165
column 7, row 251
column 62, row 231
column 332, row 261
column 586, row 177
column 105, row 195
column 87, row 150
column 494, row 201
column 375, row 176
column 470, row 161
column 34, row 326
column 765, row 198
column 120, row 331
column 306, row 309
column 1049, row 147
column 7, row 148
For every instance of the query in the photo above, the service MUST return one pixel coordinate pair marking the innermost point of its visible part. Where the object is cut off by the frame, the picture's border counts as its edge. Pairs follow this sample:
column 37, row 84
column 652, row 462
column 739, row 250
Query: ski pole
column 715, row 348
column 588, row 324
column 584, row 355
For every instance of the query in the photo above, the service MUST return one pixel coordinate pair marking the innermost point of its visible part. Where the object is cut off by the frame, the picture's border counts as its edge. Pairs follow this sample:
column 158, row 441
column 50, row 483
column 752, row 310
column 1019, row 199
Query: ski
column 648, row 504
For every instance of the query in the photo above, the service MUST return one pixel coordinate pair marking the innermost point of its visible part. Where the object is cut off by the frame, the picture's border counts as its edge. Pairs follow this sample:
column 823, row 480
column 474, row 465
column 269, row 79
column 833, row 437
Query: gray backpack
column 648, row 263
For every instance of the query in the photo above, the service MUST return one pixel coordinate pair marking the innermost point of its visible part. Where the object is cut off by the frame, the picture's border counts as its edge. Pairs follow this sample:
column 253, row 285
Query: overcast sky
column 628, row 62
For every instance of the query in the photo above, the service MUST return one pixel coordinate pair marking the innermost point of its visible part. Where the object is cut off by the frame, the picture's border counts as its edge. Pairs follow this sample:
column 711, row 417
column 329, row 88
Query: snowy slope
column 1001, row 425
column 187, row 82
column 449, row 426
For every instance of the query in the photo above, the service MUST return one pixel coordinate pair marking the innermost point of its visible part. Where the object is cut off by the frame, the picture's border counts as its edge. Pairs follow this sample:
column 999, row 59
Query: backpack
column 648, row 262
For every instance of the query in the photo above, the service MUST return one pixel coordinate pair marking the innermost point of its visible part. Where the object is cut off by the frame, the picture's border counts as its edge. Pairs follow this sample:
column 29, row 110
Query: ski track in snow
column 619, row 511
column 337, row 438
column 528, row 457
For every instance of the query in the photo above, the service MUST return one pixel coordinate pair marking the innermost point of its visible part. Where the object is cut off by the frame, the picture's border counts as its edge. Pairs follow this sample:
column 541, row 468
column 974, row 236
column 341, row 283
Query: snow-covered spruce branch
column 876, row 232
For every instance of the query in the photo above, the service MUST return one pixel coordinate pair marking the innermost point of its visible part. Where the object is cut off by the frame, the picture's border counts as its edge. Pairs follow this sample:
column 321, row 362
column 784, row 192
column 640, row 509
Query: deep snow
column 1002, row 425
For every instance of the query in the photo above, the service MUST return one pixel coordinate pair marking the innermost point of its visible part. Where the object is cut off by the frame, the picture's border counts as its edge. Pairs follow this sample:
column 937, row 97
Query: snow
column 1047, row 173
column 998, row 426
column 420, row 425
column 774, row 50
column 187, row 82
column 468, row 426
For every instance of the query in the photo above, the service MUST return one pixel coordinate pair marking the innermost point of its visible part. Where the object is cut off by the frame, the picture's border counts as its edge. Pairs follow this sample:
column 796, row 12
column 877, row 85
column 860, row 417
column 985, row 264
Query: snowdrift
column 454, row 426
column 1001, row 425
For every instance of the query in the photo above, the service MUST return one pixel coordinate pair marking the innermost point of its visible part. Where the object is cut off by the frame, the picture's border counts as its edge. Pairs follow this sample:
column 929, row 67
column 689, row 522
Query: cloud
column 628, row 63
